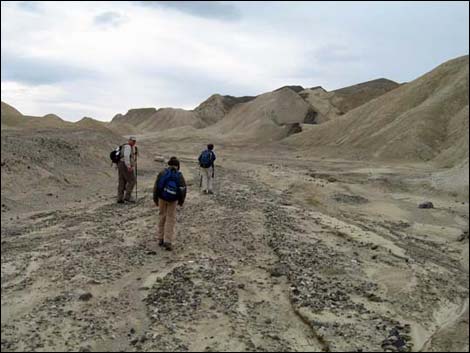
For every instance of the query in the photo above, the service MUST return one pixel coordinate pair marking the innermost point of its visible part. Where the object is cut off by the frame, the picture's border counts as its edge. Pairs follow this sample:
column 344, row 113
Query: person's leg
column 170, row 222
column 205, row 181
column 210, row 180
column 130, row 177
column 122, row 182
column 162, row 206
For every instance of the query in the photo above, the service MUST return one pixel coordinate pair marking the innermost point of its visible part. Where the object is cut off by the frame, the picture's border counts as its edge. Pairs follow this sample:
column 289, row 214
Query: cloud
column 36, row 70
column 205, row 9
column 336, row 53
column 97, row 59
column 109, row 19
column 30, row 6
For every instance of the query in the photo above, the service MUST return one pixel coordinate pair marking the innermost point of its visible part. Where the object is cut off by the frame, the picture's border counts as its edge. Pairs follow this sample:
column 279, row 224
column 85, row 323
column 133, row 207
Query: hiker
column 126, row 167
column 169, row 190
column 206, row 162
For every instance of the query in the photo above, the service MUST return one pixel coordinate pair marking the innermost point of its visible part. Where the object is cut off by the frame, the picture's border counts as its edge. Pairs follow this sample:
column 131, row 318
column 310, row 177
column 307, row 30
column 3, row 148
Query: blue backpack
column 168, row 185
column 206, row 159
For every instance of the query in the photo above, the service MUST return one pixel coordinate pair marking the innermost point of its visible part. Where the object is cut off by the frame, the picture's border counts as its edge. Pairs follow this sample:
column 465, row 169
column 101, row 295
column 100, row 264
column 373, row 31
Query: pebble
column 86, row 296
column 426, row 204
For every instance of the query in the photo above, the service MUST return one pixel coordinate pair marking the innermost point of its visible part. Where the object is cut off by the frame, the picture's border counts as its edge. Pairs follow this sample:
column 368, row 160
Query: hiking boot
column 168, row 246
column 120, row 201
column 210, row 192
column 131, row 200
column 161, row 243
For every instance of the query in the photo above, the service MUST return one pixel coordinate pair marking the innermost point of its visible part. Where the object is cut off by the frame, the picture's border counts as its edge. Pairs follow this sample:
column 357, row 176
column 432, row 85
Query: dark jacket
column 182, row 188
column 213, row 158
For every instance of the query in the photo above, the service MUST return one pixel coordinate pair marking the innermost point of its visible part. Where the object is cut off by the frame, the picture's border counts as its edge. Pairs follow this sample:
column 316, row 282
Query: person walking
column 168, row 192
column 126, row 169
column 206, row 163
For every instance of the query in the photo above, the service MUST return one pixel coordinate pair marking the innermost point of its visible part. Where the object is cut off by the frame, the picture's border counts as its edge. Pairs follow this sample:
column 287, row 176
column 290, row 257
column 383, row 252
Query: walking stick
column 200, row 178
column 213, row 174
column 135, row 173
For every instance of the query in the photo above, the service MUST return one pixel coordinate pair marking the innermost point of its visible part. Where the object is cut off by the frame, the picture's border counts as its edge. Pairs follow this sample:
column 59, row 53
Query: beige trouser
column 207, row 179
column 126, row 182
column 166, row 226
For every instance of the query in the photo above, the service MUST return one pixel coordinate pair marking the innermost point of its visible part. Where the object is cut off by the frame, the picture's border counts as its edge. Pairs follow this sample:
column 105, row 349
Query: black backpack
column 115, row 155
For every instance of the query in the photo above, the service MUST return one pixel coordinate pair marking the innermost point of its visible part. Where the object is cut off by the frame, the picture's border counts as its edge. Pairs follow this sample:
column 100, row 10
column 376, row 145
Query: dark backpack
column 168, row 185
column 206, row 159
column 115, row 155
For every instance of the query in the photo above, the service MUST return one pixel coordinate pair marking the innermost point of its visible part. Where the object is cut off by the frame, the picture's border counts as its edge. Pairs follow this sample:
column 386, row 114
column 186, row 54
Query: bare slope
column 90, row 123
column 50, row 156
column 322, row 105
column 329, row 105
column 10, row 117
column 167, row 118
column 50, row 121
column 348, row 98
column 39, row 165
column 13, row 119
column 269, row 117
column 129, row 122
column 148, row 120
column 418, row 121
column 217, row 106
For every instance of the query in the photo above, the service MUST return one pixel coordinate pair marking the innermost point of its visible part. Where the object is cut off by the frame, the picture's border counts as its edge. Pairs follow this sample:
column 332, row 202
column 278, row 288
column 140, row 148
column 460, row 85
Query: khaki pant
column 166, row 226
column 207, row 179
column 126, row 182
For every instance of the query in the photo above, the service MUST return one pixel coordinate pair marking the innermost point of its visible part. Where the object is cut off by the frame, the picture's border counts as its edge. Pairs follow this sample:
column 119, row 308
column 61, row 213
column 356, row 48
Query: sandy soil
column 290, row 254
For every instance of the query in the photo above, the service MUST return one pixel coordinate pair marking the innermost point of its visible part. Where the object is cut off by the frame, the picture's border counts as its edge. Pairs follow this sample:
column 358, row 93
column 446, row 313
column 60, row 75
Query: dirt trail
column 112, row 254
column 256, row 267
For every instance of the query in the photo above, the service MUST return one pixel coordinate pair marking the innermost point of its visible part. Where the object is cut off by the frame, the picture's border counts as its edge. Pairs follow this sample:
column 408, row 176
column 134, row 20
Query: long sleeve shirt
column 128, row 155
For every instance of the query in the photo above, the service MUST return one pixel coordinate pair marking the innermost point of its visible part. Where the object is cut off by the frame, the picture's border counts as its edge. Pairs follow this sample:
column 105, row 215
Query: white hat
column 132, row 138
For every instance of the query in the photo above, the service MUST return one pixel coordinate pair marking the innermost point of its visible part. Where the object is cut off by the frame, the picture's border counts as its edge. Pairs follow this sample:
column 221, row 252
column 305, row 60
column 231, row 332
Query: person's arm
column 213, row 160
column 182, row 193
column 155, row 189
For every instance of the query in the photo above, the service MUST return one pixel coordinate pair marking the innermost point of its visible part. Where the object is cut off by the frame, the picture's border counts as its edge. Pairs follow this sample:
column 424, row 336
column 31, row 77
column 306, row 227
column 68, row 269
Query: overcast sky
column 97, row 59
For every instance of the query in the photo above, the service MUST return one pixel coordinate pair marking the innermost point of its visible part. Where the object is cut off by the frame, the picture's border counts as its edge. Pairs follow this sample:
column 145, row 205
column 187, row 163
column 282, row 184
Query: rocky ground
column 298, row 255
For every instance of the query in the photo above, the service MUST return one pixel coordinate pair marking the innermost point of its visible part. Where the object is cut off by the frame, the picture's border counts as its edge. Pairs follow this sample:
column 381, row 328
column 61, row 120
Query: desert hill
column 348, row 98
column 323, row 107
column 329, row 105
column 217, row 106
column 40, row 164
column 275, row 115
column 10, row 116
column 12, row 119
column 147, row 120
column 270, row 116
column 48, row 153
column 417, row 121
column 90, row 123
